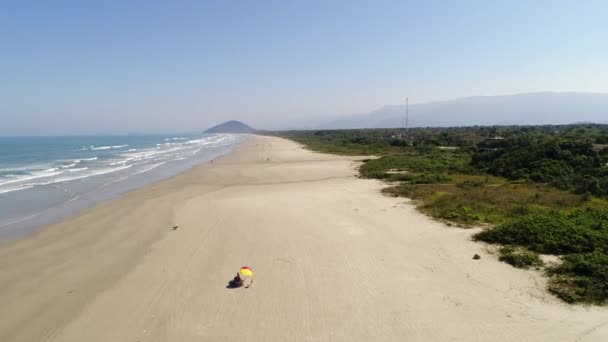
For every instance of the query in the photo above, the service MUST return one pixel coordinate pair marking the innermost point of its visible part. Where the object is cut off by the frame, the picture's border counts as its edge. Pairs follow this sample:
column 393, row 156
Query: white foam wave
column 151, row 167
column 36, row 175
column 124, row 161
column 77, row 170
column 97, row 148
column 92, row 174
column 89, row 159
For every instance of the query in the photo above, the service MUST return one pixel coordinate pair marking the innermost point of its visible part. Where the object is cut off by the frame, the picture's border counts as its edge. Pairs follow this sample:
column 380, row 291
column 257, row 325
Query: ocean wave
column 170, row 144
column 69, row 165
column 77, row 170
column 31, row 176
column 142, row 160
column 97, row 148
column 92, row 174
column 123, row 161
column 151, row 167
column 151, row 153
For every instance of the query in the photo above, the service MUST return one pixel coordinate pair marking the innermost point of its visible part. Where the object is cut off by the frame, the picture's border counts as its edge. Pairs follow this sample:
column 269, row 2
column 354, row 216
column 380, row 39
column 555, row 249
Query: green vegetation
column 581, row 237
column 555, row 232
column 569, row 163
column 582, row 278
column 538, row 189
column 519, row 258
column 470, row 203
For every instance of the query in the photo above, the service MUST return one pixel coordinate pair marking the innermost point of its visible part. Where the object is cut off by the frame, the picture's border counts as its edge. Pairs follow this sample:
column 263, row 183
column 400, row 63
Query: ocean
column 46, row 179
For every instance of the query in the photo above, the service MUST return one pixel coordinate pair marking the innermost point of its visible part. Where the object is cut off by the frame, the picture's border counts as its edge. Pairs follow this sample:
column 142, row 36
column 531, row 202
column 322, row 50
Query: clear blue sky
column 119, row 66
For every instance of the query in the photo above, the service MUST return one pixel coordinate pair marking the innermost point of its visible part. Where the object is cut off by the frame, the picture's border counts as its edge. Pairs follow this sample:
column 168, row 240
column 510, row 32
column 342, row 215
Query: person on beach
column 245, row 275
column 236, row 282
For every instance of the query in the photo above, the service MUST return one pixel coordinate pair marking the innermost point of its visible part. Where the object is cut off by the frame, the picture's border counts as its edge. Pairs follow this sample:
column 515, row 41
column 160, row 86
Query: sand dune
column 334, row 260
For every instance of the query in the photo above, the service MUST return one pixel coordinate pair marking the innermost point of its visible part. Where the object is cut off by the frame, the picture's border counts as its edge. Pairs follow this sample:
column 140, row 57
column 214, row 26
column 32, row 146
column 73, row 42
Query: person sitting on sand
column 240, row 280
column 236, row 282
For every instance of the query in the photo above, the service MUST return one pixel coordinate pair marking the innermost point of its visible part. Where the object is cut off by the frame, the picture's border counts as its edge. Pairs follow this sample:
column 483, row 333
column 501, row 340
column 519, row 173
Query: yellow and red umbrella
column 246, row 271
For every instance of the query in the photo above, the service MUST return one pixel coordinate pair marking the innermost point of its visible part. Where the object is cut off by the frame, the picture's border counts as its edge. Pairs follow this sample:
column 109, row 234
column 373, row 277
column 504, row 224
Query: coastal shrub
column 580, row 237
column 471, row 184
column 491, row 203
column 401, row 177
column 434, row 163
column 519, row 258
column 568, row 162
column 582, row 278
column 554, row 232
column 429, row 178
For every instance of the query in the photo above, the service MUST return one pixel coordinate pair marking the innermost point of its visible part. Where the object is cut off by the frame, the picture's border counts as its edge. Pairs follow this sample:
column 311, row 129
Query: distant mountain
column 231, row 127
column 519, row 109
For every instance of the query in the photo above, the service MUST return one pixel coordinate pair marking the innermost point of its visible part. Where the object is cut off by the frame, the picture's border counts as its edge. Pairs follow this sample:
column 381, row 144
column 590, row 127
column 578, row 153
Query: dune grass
column 474, row 202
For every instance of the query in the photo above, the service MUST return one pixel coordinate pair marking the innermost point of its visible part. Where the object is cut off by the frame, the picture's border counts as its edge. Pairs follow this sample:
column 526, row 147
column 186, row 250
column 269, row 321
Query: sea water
column 46, row 179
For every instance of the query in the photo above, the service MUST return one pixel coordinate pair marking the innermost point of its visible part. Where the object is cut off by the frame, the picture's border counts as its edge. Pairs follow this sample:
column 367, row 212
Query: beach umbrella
column 246, row 271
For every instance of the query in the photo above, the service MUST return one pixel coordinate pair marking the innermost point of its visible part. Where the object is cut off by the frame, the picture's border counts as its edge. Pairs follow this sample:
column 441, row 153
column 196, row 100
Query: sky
column 86, row 67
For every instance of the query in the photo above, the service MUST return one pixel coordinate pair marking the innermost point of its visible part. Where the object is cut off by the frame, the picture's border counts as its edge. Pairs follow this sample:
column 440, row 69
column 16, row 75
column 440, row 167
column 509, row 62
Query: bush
column 471, row 184
column 581, row 237
column 430, row 179
column 582, row 278
column 519, row 258
column 554, row 233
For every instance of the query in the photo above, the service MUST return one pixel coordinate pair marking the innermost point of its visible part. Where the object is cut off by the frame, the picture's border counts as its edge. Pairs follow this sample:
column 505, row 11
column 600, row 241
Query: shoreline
column 334, row 260
column 59, row 238
column 24, row 227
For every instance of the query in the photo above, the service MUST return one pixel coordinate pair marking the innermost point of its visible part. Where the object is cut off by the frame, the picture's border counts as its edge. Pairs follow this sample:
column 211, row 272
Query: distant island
column 231, row 126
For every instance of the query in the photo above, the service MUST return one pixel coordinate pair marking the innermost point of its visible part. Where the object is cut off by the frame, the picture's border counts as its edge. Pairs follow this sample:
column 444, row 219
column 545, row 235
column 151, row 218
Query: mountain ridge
column 517, row 109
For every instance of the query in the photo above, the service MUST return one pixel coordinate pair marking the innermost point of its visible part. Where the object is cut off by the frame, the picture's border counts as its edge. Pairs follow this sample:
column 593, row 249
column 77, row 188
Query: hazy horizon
column 115, row 68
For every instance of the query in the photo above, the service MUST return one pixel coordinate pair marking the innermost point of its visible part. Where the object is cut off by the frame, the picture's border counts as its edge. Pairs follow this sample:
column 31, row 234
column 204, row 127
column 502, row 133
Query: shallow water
column 46, row 179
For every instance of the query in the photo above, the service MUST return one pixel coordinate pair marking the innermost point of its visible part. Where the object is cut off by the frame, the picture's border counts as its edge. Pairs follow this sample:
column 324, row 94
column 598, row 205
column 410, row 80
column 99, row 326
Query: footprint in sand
column 286, row 260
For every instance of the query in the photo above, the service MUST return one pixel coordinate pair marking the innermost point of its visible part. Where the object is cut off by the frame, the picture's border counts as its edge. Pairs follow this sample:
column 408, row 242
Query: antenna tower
column 406, row 114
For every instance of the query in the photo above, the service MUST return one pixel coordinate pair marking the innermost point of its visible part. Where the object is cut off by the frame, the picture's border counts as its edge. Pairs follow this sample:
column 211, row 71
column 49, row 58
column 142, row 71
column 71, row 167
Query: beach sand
column 333, row 260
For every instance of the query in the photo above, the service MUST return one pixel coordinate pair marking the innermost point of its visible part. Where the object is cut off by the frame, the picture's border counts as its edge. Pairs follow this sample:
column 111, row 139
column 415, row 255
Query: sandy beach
column 334, row 260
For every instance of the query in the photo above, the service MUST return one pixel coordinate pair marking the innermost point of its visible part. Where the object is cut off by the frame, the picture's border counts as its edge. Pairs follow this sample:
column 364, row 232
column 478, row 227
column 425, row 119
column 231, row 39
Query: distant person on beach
column 236, row 282
column 245, row 275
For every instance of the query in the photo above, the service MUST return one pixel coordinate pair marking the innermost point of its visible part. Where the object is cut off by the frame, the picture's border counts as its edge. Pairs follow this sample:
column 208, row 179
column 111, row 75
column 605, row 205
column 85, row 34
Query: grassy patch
column 473, row 202
column 434, row 163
